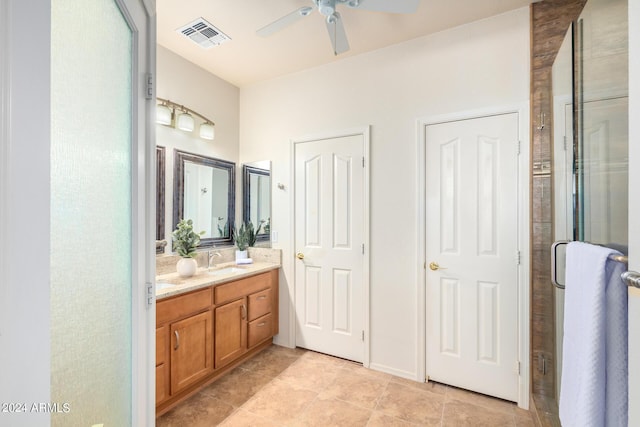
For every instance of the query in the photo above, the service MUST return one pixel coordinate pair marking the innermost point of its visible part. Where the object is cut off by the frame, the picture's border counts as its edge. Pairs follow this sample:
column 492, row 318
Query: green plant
column 245, row 236
column 185, row 240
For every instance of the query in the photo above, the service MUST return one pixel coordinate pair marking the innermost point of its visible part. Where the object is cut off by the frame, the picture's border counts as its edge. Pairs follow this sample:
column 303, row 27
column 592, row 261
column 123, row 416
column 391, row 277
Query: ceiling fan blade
column 337, row 34
column 390, row 6
column 283, row 22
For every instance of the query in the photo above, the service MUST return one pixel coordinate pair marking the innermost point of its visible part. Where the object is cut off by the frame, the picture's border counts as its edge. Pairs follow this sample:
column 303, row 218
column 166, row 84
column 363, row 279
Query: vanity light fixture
column 163, row 114
column 184, row 120
column 207, row 131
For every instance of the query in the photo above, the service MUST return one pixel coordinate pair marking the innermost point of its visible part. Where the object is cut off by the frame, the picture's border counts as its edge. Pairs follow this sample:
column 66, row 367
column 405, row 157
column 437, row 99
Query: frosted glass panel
column 91, row 271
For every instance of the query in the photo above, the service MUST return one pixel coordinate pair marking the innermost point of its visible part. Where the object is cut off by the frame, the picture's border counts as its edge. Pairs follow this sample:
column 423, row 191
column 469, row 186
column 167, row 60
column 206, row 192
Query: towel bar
column 631, row 278
column 554, row 257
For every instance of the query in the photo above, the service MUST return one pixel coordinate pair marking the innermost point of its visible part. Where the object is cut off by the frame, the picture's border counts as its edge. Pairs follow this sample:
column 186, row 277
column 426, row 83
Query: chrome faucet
column 210, row 258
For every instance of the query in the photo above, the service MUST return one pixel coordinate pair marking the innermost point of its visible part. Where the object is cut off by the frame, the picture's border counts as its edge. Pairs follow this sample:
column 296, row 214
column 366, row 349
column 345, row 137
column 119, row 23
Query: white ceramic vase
column 241, row 255
column 186, row 267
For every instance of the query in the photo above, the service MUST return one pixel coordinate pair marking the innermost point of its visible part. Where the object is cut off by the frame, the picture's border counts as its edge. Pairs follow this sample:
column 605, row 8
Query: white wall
column 24, row 208
column 187, row 84
column 476, row 66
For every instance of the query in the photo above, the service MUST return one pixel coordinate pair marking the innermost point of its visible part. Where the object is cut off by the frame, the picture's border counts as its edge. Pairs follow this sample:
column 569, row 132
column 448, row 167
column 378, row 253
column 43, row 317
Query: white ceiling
column 248, row 58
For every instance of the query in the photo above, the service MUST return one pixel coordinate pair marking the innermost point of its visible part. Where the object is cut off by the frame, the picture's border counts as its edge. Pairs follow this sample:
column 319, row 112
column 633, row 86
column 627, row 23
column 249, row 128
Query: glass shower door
column 601, row 143
column 100, row 160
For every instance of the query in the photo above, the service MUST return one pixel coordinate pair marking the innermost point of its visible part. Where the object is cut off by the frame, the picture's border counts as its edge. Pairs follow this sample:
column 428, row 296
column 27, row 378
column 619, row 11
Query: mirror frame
column 247, row 171
column 180, row 157
column 160, row 196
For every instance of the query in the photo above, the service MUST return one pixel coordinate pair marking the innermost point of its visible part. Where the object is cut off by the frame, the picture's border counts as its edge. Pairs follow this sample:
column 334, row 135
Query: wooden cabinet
column 231, row 332
column 184, row 342
column 200, row 335
column 162, row 364
column 191, row 350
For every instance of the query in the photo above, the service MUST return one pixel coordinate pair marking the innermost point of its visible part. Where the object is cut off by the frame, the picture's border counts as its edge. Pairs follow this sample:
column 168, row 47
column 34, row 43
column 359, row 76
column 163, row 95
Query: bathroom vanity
column 210, row 323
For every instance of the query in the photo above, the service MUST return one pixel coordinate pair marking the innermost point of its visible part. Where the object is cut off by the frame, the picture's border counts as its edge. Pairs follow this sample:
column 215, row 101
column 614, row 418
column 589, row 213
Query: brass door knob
column 434, row 266
column 300, row 255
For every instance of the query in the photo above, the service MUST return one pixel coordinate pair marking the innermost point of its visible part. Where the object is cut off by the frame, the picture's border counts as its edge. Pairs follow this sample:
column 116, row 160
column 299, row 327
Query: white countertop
column 203, row 278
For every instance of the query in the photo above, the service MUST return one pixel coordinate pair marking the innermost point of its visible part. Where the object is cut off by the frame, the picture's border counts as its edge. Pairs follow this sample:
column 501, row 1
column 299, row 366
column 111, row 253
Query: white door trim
column 143, row 218
column 4, row 146
column 524, row 185
column 365, row 132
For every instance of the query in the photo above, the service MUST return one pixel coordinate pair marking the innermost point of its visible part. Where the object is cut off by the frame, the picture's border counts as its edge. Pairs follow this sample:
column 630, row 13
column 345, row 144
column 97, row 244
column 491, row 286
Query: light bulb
column 186, row 122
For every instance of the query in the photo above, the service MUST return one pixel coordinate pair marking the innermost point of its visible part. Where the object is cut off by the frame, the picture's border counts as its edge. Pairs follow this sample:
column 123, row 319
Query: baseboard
column 396, row 372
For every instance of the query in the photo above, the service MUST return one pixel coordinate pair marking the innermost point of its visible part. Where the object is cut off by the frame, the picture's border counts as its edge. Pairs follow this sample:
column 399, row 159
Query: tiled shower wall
column 550, row 20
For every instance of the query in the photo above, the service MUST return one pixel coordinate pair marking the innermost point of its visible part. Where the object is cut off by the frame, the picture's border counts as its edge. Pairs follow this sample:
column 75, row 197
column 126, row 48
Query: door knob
column 300, row 255
column 434, row 266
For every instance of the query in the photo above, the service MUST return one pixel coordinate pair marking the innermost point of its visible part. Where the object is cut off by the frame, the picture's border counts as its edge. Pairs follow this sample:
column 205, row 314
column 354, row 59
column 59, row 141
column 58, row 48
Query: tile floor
column 285, row 387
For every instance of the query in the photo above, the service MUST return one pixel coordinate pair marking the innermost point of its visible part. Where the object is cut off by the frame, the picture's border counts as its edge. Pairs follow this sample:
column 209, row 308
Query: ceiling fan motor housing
column 326, row 7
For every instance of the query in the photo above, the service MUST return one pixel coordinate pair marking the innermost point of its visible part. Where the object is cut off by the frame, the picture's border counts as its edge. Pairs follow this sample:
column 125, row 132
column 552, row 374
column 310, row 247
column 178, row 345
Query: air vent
column 203, row 33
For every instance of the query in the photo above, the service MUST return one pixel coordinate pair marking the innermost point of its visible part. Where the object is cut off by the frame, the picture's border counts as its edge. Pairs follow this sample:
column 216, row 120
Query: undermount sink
column 226, row 270
column 163, row 285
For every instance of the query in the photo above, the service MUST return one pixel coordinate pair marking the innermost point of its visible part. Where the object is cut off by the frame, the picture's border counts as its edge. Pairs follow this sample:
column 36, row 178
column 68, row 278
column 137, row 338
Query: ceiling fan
column 335, row 27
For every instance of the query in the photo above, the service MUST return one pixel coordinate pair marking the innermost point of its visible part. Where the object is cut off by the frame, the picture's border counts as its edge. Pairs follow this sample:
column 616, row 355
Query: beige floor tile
column 357, row 368
column 378, row 419
column 453, row 393
column 280, row 401
column 332, row 412
column 411, row 404
column 310, row 373
column 359, row 390
column 242, row 418
column 272, row 361
column 315, row 389
column 200, row 410
column 524, row 418
column 237, row 386
column 463, row 414
column 321, row 357
column 428, row 386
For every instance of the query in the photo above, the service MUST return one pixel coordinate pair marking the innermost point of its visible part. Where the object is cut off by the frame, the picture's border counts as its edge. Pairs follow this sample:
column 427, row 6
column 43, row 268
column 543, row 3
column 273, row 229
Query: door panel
column 472, row 251
column 329, row 207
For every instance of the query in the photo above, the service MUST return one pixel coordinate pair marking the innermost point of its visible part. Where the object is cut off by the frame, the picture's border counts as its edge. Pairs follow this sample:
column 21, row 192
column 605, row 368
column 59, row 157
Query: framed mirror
column 160, row 194
column 204, row 191
column 256, row 196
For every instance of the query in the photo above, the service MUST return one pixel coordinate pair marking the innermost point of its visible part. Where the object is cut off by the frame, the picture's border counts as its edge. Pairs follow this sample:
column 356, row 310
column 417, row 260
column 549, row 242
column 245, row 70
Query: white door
column 329, row 244
column 472, row 254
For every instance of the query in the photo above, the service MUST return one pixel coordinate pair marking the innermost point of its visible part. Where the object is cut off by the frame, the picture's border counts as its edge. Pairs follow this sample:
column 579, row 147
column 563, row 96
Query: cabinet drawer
column 183, row 305
column 162, row 383
column 259, row 304
column 161, row 345
column 260, row 330
column 242, row 287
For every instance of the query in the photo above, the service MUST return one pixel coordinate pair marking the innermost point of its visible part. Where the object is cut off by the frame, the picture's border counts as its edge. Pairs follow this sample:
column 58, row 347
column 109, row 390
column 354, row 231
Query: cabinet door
column 162, row 378
column 191, row 350
column 231, row 332
column 162, row 364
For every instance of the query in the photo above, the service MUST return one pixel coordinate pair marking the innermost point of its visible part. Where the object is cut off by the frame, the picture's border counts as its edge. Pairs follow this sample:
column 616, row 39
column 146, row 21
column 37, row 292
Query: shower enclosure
column 590, row 138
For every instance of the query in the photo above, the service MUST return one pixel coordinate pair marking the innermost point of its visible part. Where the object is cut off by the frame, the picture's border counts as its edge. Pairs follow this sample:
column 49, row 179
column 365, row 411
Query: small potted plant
column 244, row 237
column 185, row 243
